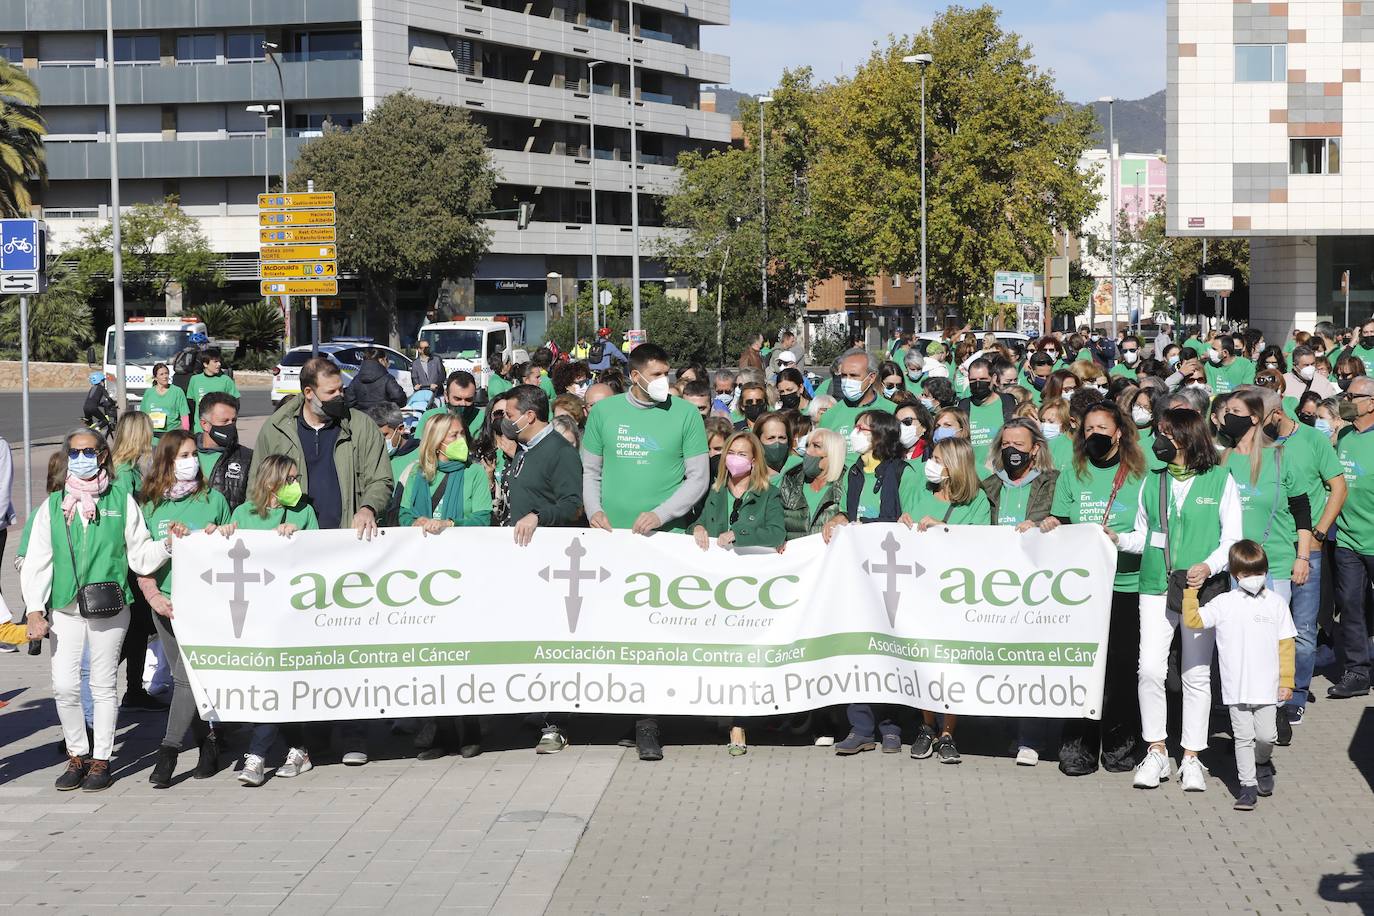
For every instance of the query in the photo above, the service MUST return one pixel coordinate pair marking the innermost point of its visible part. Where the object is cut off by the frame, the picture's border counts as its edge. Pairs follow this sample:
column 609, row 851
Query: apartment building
column 1141, row 182
column 187, row 71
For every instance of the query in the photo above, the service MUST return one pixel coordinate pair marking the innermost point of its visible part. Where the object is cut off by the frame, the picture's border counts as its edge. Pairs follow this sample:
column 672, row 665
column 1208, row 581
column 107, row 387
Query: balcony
column 569, row 171
column 134, row 15
column 235, row 157
column 243, row 82
column 546, row 238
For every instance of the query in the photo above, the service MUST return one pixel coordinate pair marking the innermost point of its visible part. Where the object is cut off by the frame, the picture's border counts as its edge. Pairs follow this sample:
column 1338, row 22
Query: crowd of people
column 1229, row 472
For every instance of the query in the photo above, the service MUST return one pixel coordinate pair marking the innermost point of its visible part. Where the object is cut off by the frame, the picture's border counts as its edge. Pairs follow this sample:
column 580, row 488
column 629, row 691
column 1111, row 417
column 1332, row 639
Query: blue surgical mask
column 942, row 433
column 1322, row 425
column 851, row 388
column 1173, row 361
column 1050, row 429
column 83, row 466
column 889, row 390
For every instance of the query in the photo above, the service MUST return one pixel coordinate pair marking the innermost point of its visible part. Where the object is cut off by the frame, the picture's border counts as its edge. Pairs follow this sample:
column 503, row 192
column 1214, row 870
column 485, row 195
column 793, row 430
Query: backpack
column 965, row 405
column 597, row 352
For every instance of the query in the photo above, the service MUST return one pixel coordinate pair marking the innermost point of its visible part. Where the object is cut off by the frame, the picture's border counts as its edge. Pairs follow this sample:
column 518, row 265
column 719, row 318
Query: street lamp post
column 923, row 61
column 563, row 304
column 268, row 47
column 634, row 175
column 763, row 198
column 1111, row 178
column 265, row 112
column 591, row 120
column 117, row 271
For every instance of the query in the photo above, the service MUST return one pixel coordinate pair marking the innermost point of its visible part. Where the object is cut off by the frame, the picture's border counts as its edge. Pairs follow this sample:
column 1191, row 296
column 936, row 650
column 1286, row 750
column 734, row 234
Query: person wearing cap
column 603, row 352
column 782, row 359
column 784, row 354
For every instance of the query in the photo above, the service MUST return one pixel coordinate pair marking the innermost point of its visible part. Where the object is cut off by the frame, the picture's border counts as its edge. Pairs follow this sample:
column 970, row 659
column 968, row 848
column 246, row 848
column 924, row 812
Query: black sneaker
column 1283, row 727
column 945, row 751
column 1264, row 775
column 892, row 744
column 921, row 746
column 855, row 743
column 73, row 775
column 1247, row 799
column 1350, row 685
column 646, row 739
column 166, row 765
column 141, row 700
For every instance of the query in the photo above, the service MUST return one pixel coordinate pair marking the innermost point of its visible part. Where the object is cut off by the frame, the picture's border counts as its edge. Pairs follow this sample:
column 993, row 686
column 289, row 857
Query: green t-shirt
column 1265, row 499
column 960, row 380
column 1225, row 379
column 476, row 495
column 1355, row 526
column 208, row 459
column 644, row 452
column 200, row 385
column 870, row 503
column 1366, row 356
column 1290, row 408
column 547, row 385
column 497, row 385
column 1290, row 346
column 1012, row 504
column 1194, row 525
column 1061, row 451
column 128, row 476
column 1124, row 371
column 207, row 507
column 302, row 516
column 984, row 420
column 841, row 419
column 1198, row 346
column 977, row 512
column 1313, row 461
column 1083, row 499
column 165, row 410
column 775, row 477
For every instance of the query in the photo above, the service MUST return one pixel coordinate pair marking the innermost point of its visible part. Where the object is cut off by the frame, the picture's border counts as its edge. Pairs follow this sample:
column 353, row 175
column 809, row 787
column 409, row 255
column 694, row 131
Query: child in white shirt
column 1254, row 632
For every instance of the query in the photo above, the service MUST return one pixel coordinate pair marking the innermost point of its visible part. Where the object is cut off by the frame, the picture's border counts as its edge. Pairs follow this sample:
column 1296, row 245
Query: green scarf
column 1181, row 474
column 451, row 508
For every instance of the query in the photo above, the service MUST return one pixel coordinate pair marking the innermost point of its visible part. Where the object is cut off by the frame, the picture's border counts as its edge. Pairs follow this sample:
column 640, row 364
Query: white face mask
column 1307, row 372
column 800, row 447
column 1252, row 584
column 910, row 434
column 1200, row 386
column 1050, row 430
column 1214, row 357
column 657, row 390
column 187, row 468
column 1141, row 415
column 935, row 472
column 1130, row 356
column 860, row 441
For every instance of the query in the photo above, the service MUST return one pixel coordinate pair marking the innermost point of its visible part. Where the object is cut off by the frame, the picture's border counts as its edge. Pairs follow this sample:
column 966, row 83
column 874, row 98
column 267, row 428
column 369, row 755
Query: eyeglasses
column 83, row 452
column 753, row 403
column 907, row 421
column 292, row 478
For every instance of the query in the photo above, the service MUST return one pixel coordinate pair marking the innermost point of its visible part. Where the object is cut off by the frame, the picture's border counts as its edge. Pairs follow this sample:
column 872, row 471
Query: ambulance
column 147, row 342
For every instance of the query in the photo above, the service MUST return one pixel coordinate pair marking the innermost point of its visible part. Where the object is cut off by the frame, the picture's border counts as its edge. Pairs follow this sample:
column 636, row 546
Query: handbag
column 1178, row 578
column 98, row 600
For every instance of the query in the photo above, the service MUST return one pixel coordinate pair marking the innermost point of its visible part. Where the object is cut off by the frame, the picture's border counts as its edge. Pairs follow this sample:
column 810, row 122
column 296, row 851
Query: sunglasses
column 907, row 421
column 80, row 452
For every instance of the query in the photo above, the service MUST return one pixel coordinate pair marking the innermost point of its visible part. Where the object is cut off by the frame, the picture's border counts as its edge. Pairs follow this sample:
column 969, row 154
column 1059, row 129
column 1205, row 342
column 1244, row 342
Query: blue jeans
column 1307, row 601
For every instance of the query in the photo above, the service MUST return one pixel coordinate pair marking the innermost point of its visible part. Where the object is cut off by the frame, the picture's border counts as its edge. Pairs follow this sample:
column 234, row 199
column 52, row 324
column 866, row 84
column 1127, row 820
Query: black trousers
column 1117, row 735
column 134, row 651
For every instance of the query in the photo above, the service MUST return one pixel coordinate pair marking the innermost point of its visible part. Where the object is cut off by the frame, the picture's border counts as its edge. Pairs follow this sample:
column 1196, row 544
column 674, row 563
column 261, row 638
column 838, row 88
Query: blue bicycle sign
column 20, row 246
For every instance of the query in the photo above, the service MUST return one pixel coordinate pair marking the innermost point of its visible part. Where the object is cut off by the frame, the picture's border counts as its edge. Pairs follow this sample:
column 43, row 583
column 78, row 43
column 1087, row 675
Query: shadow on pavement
column 1357, row 888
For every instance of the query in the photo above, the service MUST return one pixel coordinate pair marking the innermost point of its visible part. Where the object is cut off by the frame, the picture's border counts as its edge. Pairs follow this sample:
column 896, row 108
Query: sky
column 1095, row 47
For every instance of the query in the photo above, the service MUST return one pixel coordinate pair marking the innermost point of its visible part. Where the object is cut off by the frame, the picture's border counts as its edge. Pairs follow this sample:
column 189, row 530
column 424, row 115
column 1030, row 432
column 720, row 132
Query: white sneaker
column 355, row 758
column 1193, row 775
column 253, row 773
column 297, row 762
column 825, row 741
column 1153, row 770
column 1027, row 757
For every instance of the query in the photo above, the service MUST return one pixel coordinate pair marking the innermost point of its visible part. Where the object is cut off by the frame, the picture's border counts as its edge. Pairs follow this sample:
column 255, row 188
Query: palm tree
column 21, row 141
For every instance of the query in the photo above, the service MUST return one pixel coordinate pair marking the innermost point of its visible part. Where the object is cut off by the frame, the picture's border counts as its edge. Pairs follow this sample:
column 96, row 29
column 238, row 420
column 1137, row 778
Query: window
column 136, row 51
column 12, row 52
column 244, row 46
column 1314, row 156
column 196, row 49
column 1261, row 63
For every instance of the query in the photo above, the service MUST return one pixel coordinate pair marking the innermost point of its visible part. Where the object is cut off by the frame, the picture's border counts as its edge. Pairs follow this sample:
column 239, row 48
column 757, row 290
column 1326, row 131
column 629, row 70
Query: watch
column 1319, row 534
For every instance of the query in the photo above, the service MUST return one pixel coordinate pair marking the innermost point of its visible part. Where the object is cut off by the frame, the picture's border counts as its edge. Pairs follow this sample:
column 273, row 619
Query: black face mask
column 1234, row 426
column 1098, row 445
column 226, row 436
column 1039, row 382
column 1015, row 460
column 790, row 401
column 753, row 410
column 1308, row 419
column 980, row 390
column 335, row 408
column 1164, row 450
column 466, row 412
column 1272, row 430
column 1367, row 341
column 1343, row 383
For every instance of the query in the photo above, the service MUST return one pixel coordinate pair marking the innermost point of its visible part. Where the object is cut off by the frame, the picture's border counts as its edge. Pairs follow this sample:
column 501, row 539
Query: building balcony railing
column 245, row 82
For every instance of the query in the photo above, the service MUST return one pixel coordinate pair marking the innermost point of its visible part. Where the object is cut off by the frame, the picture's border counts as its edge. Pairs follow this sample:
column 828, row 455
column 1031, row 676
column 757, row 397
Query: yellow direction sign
column 271, row 270
column 297, row 252
column 319, row 200
column 296, row 235
column 299, row 288
column 295, row 217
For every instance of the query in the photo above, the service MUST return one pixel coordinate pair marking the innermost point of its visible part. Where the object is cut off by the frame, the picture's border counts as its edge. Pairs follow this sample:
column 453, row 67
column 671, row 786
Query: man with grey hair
column 726, row 394
column 914, row 363
column 857, row 392
column 1302, row 376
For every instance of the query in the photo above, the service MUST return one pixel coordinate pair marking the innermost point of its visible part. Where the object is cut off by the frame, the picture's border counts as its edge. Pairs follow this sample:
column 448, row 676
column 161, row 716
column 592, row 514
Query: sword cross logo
column 575, row 575
column 239, row 578
column 890, row 571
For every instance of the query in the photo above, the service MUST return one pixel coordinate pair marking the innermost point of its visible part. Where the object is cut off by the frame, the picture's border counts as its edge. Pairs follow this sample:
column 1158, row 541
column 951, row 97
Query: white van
column 468, row 343
column 147, row 342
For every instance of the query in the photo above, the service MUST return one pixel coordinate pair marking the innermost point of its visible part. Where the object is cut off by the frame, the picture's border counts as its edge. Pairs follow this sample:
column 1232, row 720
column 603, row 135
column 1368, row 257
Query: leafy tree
column 161, row 245
column 259, row 326
column 218, row 317
column 412, row 182
column 1171, row 264
column 21, row 141
column 614, row 316
column 687, row 336
column 827, row 345
column 60, row 326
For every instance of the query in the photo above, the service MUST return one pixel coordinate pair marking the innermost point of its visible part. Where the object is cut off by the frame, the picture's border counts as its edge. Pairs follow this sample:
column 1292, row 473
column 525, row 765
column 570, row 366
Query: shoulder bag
column 96, row 600
column 1178, row 579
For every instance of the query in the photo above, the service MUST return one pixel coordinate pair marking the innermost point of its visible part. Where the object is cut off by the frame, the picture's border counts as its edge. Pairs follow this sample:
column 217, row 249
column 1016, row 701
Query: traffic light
column 524, row 215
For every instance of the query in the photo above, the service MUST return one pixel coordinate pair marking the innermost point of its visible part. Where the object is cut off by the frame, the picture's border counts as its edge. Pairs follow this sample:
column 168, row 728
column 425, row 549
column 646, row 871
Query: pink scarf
column 180, row 488
column 82, row 494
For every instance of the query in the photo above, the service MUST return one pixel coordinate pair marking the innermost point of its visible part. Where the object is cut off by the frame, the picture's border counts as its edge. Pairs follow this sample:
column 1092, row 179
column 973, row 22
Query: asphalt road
column 54, row 413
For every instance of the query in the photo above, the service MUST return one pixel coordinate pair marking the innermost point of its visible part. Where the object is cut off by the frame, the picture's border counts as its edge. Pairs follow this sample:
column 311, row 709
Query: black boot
column 646, row 739
column 166, row 765
column 208, row 765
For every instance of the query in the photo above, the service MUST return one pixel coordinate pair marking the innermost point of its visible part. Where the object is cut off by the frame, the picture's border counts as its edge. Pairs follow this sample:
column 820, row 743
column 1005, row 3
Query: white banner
column 968, row 620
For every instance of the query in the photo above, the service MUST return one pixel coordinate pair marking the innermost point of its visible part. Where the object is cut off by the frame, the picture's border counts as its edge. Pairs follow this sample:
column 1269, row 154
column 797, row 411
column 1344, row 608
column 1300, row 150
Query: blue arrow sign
column 20, row 249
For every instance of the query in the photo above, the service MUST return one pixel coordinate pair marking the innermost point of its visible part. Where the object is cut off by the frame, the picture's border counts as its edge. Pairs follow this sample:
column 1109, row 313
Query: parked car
column 1017, row 342
column 347, row 354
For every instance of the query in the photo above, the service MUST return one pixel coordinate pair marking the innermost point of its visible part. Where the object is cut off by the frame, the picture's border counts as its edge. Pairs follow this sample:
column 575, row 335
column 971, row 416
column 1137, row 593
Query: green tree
column 1171, row 264
column 22, row 163
column 412, row 182
column 1002, row 150
column 60, row 327
column 161, row 245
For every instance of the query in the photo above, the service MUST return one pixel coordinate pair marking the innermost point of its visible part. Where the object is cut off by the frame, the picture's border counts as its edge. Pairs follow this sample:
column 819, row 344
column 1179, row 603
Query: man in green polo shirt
column 1354, row 553
column 644, row 468
column 210, row 378
column 986, row 412
column 1226, row 369
column 1364, row 347
column 858, row 391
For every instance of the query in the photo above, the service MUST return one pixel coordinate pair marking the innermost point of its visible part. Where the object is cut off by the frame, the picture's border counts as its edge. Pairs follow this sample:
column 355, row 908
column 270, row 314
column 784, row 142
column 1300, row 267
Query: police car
column 344, row 352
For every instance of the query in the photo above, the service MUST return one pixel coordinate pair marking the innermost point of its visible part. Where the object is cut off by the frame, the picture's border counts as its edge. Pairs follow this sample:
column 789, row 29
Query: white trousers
column 71, row 635
column 1157, row 627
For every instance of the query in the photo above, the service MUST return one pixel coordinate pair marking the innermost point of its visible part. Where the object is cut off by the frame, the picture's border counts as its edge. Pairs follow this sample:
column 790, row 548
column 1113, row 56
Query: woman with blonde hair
column 742, row 510
column 131, row 449
column 437, row 490
column 811, row 492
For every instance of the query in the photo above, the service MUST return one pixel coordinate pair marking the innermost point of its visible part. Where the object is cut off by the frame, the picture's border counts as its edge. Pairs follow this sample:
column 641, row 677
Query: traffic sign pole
column 314, row 326
column 24, row 383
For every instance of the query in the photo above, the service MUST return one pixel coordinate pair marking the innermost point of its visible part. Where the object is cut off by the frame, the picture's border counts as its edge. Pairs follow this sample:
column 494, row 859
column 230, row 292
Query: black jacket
column 373, row 385
column 230, row 476
column 100, row 406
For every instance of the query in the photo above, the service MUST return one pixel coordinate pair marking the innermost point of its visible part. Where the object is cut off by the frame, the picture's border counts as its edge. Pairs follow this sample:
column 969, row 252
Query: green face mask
column 775, row 453
column 457, row 450
column 289, row 494
column 811, row 466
